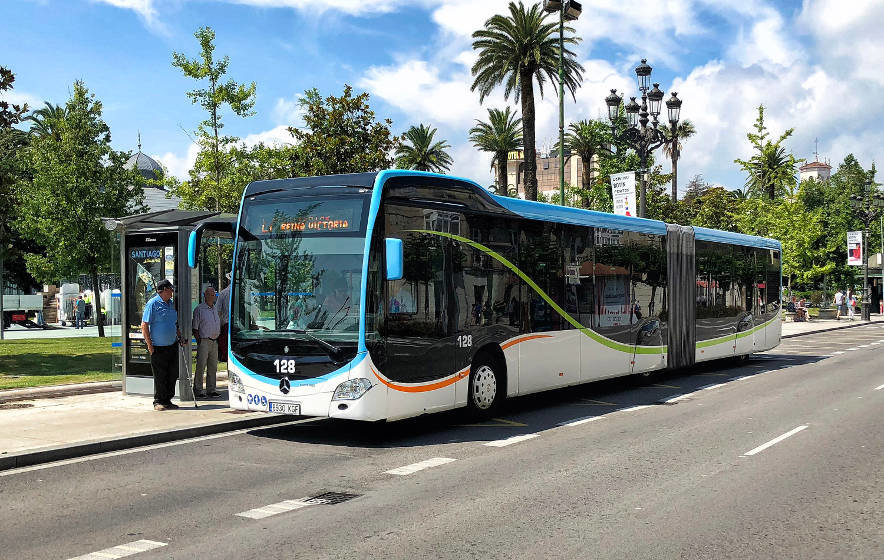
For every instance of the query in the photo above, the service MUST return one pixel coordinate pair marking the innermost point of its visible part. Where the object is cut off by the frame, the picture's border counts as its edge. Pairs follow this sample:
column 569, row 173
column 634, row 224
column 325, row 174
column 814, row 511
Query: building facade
column 547, row 172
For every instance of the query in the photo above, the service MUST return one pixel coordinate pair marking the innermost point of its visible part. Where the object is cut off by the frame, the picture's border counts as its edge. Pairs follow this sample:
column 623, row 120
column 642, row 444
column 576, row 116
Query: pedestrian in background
column 80, row 313
column 224, row 316
column 206, row 327
column 839, row 304
column 159, row 325
column 851, row 304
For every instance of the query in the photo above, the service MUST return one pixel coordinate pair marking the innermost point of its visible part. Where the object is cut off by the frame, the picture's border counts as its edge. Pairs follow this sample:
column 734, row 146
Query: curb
column 861, row 323
column 62, row 452
column 53, row 391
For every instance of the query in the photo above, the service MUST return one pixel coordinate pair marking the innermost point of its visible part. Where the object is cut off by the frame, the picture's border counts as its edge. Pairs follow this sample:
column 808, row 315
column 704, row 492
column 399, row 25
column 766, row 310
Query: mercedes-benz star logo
column 285, row 385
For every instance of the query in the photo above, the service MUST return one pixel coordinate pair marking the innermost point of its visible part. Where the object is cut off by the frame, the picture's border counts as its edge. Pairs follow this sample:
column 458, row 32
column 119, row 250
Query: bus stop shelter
column 153, row 247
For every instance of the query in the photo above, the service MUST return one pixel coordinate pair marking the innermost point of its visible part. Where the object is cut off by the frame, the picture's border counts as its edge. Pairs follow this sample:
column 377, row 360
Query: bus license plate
column 286, row 408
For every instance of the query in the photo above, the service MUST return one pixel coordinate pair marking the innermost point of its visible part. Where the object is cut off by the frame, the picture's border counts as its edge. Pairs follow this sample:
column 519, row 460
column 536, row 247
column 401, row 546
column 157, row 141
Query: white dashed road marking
column 879, row 387
column 510, row 440
column 274, row 509
column 409, row 469
column 774, row 441
column 122, row 550
column 579, row 421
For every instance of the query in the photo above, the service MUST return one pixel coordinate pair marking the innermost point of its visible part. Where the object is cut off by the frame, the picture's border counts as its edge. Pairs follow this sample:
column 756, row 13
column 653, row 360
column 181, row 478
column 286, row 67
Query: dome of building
column 145, row 165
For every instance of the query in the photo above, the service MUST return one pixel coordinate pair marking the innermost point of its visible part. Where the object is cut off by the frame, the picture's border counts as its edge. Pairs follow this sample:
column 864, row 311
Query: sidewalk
column 39, row 429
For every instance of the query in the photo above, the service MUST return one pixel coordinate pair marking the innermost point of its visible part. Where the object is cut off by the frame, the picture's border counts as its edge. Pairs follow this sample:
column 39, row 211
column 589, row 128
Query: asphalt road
column 779, row 456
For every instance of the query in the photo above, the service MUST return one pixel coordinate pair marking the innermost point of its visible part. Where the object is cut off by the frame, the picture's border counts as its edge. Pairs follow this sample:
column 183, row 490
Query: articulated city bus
column 387, row 295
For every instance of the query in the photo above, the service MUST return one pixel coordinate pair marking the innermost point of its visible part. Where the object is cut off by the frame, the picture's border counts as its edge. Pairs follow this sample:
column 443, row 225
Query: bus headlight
column 351, row 389
column 234, row 383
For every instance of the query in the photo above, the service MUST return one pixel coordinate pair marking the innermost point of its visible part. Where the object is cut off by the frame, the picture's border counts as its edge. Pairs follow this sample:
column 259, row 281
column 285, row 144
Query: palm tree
column 672, row 148
column 514, row 51
column 44, row 121
column 419, row 152
column 500, row 135
column 587, row 138
column 739, row 194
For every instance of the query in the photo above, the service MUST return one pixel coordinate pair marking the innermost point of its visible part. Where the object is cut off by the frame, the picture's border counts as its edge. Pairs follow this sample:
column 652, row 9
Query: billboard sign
column 623, row 189
column 855, row 248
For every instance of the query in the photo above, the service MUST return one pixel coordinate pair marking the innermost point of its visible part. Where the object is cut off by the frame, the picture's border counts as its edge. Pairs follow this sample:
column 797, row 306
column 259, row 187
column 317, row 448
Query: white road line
column 742, row 377
column 510, row 440
column 148, row 448
column 774, row 441
column 879, row 387
column 855, row 348
column 631, row 408
column 122, row 550
column 875, row 343
column 277, row 508
column 413, row 468
column 836, row 353
column 676, row 398
column 708, row 387
column 863, row 345
column 579, row 421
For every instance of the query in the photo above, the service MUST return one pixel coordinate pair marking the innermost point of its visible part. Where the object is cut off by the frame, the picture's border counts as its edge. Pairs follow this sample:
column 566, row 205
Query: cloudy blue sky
column 815, row 65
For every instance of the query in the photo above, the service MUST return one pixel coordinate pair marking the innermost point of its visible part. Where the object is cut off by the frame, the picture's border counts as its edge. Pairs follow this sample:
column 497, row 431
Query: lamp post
column 867, row 205
column 570, row 11
column 638, row 135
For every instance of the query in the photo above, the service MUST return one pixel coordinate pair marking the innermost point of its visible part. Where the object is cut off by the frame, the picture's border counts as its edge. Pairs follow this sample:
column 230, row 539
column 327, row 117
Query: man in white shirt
column 839, row 303
column 206, row 327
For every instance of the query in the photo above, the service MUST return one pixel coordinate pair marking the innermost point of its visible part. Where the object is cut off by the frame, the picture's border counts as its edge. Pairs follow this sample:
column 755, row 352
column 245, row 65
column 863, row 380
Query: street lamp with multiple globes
column 867, row 206
column 638, row 135
column 568, row 11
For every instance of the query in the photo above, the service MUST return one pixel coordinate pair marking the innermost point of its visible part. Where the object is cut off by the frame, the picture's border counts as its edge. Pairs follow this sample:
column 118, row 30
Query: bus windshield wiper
column 327, row 345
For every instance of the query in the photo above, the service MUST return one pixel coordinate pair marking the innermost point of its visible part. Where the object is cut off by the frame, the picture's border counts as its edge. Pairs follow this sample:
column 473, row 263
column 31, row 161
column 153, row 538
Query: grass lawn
column 51, row 361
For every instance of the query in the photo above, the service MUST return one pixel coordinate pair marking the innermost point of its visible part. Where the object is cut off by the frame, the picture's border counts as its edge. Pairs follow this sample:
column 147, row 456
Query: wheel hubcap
column 484, row 387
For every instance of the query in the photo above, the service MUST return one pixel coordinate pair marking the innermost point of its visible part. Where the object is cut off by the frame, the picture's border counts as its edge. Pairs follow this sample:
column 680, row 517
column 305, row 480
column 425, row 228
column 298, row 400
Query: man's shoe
column 199, row 395
column 172, row 406
column 214, row 394
column 159, row 407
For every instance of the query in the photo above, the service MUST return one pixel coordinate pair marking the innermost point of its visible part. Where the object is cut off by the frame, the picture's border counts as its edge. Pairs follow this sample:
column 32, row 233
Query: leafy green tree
column 517, row 50
column 419, row 151
column 10, row 114
column 715, row 210
column 209, row 186
column 770, row 170
column 77, row 178
column 672, row 148
column 341, row 135
column 587, row 139
column 501, row 135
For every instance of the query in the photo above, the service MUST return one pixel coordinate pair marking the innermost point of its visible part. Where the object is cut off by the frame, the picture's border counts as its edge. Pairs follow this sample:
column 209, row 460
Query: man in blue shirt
column 159, row 325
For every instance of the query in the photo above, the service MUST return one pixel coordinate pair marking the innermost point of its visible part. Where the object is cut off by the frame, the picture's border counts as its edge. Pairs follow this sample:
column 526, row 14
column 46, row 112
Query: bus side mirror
column 394, row 259
column 193, row 244
column 225, row 226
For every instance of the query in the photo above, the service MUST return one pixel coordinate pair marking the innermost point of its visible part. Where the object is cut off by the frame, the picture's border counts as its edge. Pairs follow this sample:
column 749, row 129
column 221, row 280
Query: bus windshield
column 298, row 272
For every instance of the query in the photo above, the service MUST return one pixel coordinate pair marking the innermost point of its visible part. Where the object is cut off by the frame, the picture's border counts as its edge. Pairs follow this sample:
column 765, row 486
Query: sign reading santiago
column 855, row 248
column 623, row 190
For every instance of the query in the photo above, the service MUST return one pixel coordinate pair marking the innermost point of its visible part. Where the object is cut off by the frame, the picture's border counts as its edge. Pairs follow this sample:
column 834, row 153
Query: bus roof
column 525, row 208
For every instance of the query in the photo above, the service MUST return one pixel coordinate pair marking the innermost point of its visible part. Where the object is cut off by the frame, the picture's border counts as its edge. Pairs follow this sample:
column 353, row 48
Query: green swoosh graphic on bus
column 614, row 345
column 731, row 338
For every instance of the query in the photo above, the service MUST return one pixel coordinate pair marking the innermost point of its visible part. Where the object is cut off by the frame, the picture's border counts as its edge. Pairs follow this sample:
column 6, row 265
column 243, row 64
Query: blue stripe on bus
column 191, row 249
column 301, row 382
column 116, row 344
column 116, row 295
column 705, row 234
column 578, row 216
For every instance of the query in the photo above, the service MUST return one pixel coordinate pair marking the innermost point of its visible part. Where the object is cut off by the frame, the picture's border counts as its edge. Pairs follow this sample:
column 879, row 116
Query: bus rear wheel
column 486, row 386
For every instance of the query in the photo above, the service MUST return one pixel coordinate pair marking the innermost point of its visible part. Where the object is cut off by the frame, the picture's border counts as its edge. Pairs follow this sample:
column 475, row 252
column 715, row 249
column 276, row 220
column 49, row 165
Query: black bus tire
column 487, row 387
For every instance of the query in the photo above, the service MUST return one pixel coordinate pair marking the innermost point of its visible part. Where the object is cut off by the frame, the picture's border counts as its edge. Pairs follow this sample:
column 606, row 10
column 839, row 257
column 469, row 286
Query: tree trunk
column 674, row 169
column 502, row 187
column 526, row 79
column 586, row 178
column 96, row 300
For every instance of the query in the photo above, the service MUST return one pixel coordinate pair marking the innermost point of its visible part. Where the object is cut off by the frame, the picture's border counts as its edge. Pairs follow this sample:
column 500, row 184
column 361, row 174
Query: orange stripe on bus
column 523, row 339
column 423, row 388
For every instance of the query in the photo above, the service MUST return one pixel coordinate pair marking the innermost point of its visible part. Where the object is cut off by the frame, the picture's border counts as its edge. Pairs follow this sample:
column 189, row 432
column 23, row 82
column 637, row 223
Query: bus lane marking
column 123, row 550
column 774, row 441
column 510, row 440
column 415, row 467
column 277, row 508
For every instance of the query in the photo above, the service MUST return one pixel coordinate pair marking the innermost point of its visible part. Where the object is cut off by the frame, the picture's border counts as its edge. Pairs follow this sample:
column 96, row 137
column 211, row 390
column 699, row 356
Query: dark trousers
column 164, row 363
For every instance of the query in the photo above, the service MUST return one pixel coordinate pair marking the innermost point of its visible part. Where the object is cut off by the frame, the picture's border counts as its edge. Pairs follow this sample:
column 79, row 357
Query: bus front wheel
column 486, row 386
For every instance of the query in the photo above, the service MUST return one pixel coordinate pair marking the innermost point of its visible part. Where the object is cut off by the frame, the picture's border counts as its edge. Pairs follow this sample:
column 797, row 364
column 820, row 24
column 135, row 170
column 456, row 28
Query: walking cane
column 189, row 371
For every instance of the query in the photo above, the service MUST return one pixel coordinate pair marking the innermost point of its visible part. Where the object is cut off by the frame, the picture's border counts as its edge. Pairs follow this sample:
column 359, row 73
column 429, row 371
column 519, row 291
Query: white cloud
column 352, row 7
column 179, row 166
column 277, row 136
column 144, row 8
column 14, row 97
column 288, row 111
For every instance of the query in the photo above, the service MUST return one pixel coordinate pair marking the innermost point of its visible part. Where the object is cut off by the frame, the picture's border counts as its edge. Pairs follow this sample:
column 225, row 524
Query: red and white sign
column 623, row 190
column 855, row 248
